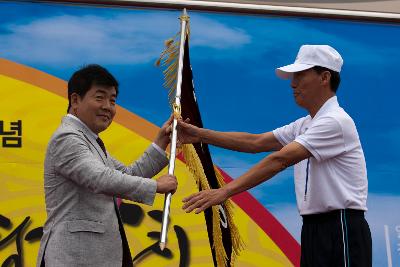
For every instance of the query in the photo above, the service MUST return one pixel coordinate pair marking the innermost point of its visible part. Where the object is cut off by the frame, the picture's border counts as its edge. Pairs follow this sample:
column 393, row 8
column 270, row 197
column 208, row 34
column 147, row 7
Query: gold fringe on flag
column 237, row 242
column 169, row 60
column 195, row 167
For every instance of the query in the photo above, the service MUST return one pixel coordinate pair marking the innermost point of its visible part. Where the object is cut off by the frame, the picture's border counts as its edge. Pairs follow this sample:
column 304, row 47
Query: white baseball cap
column 310, row 56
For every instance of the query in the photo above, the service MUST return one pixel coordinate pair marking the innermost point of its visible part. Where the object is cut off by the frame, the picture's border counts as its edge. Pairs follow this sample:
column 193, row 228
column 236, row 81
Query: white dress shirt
column 335, row 177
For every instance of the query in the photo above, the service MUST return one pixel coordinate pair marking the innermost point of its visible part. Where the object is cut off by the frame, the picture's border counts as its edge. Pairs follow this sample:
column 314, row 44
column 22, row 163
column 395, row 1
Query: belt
column 332, row 215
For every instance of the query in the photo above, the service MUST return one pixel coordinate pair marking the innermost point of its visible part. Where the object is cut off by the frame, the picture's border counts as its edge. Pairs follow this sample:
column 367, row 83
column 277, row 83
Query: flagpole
column 176, row 109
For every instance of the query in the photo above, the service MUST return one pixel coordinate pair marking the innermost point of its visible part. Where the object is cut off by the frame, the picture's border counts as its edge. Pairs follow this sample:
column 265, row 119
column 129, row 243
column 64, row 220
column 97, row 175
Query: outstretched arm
column 238, row 141
column 262, row 171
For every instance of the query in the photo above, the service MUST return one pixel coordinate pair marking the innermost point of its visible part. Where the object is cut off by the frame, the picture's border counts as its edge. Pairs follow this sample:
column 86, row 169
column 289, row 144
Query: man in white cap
column 329, row 165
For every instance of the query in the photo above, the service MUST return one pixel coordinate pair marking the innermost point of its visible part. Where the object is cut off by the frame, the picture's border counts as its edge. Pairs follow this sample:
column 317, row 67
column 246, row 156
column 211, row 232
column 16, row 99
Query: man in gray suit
column 82, row 181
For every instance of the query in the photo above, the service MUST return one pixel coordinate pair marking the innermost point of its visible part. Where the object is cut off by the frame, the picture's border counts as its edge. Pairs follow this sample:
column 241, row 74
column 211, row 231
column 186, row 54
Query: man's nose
column 107, row 104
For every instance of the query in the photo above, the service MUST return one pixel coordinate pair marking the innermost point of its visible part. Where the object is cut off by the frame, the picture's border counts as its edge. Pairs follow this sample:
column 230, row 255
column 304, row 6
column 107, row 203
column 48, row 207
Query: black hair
column 87, row 76
column 335, row 77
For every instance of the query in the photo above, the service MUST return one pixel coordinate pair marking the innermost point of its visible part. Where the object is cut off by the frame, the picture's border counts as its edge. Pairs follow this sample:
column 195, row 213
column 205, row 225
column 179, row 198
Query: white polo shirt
column 337, row 174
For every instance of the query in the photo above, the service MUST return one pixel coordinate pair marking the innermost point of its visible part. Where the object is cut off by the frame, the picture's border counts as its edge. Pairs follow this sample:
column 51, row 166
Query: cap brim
column 286, row 72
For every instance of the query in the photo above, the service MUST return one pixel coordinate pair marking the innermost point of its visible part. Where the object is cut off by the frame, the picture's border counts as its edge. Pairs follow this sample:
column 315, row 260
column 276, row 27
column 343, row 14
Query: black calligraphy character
column 16, row 258
column 31, row 236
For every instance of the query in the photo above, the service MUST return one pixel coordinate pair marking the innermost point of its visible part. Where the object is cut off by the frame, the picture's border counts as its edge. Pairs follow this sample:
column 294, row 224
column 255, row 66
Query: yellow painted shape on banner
column 22, row 195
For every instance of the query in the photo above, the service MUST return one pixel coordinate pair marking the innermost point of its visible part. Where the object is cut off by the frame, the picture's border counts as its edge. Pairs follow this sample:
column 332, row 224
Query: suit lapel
column 97, row 147
column 87, row 134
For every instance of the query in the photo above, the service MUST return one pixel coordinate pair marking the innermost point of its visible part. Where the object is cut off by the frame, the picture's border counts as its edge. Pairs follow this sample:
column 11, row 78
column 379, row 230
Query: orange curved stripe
column 59, row 87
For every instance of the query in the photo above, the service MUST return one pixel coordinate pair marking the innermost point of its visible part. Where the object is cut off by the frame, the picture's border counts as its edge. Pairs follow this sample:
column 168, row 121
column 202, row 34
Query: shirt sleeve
column 159, row 149
column 287, row 134
column 324, row 139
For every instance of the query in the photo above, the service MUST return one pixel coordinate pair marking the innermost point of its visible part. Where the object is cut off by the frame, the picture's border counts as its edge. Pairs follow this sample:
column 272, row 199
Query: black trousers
column 340, row 238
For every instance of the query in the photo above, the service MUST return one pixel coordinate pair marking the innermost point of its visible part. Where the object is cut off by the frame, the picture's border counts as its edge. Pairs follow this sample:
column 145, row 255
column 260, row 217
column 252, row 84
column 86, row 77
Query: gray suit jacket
column 82, row 227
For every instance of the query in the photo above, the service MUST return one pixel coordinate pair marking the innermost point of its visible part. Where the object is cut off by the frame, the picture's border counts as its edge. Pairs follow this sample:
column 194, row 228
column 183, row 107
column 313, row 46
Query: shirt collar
column 330, row 104
column 95, row 136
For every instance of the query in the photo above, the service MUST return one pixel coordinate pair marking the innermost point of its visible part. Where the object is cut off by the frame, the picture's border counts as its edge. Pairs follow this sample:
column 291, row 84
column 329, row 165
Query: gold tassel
column 194, row 165
column 169, row 60
column 196, row 168
column 218, row 245
column 237, row 241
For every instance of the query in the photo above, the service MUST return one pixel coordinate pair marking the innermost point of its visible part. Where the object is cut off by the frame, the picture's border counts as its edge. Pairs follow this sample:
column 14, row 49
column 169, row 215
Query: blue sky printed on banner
column 233, row 59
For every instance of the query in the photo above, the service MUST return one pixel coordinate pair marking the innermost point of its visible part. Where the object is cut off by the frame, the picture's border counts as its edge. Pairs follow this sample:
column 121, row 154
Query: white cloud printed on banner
column 122, row 39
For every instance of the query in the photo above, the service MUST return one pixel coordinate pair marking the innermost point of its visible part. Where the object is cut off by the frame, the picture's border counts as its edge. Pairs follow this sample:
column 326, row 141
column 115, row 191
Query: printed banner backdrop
column 233, row 59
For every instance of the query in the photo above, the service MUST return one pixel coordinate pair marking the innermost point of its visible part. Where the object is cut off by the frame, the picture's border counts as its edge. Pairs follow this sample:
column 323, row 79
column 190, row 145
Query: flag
column 190, row 109
column 224, row 238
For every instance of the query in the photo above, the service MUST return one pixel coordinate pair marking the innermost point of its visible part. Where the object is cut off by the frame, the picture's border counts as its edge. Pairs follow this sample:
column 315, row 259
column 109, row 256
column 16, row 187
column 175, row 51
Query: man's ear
column 75, row 98
column 326, row 78
column 74, row 101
